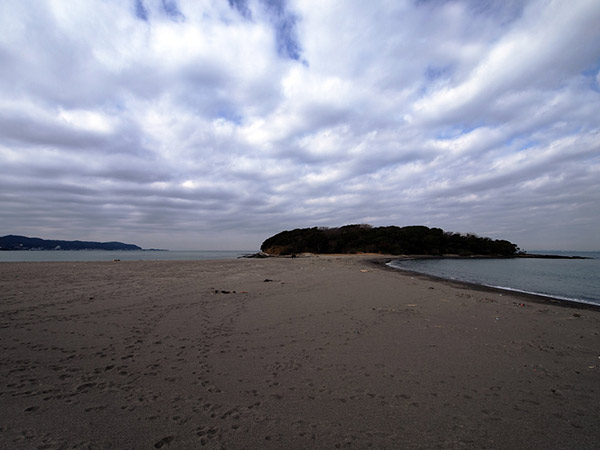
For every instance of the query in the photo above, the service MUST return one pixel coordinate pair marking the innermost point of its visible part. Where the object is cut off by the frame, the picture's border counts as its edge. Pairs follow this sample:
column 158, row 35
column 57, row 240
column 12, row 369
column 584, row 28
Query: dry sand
column 332, row 352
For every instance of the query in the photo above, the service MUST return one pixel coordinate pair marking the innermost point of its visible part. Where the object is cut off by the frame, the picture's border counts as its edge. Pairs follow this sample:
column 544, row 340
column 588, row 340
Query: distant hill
column 12, row 242
column 412, row 240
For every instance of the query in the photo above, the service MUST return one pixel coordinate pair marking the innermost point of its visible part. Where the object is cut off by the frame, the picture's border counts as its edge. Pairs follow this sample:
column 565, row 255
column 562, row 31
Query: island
column 391, row 240
column 12, row 242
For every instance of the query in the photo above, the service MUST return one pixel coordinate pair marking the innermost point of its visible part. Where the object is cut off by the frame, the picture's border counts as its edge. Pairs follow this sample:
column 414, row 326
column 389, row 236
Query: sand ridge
column 316, row 352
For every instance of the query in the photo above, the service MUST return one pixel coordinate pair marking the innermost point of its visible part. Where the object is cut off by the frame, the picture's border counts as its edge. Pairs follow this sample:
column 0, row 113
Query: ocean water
column 568, row 279
column 133, row 255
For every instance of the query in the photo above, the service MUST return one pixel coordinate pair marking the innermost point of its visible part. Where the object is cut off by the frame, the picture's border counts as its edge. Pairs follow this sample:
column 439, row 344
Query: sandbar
column 287, row 353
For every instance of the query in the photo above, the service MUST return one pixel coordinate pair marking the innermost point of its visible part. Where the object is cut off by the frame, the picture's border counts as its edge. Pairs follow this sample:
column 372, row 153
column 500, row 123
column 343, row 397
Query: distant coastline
column 24, row 243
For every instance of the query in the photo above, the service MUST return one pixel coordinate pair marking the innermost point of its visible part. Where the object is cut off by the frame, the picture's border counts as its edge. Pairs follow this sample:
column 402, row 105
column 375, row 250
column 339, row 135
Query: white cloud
column 88, row 120
column 553, row 41
column 186, row 126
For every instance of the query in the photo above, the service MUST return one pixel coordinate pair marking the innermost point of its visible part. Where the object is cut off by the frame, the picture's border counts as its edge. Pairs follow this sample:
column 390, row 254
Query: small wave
column 558, row 297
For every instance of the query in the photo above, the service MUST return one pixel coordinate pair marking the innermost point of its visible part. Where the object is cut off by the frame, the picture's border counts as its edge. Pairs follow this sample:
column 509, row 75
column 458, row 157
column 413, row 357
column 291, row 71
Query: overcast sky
column 199, row 124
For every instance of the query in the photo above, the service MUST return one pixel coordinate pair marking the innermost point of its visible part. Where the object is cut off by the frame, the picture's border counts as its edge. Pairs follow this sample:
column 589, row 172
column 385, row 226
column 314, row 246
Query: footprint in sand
column 164, row 441
column 207, row 433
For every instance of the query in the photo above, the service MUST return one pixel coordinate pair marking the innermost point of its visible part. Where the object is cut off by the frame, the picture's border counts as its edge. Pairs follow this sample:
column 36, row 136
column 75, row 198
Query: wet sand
column 280, row 353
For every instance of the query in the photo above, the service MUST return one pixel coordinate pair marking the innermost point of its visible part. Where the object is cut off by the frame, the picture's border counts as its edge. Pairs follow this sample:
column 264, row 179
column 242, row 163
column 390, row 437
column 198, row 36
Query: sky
column 214, row 124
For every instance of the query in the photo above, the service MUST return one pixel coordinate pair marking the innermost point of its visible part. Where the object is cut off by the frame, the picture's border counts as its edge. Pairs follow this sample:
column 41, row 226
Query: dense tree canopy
column 412, row 240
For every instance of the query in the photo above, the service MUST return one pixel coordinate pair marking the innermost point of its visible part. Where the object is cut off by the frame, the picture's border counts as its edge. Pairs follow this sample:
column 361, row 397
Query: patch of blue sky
column 593, row 75
column 456, row 130
column 230, row 116
column 287, row 45
column 436, row 72
column 284, row 23
column 116, row 106
column 282, row 20
column 592, row 70
column 505, row 11
column 431, row 76
column 141, row 12
column 170, row 8
column 519, row 143
column 242, row 7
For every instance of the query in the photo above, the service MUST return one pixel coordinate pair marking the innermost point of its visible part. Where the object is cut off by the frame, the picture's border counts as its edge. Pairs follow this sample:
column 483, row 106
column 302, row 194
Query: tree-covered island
column 391, row 240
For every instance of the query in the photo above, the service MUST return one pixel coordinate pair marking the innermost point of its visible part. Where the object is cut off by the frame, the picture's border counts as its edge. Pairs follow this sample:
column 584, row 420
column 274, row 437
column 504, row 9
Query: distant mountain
column 12, row 242
column 412, row 240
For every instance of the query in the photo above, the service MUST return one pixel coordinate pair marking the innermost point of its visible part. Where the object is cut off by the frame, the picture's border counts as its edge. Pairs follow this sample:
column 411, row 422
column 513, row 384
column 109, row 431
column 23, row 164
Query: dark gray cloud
column 186, row 125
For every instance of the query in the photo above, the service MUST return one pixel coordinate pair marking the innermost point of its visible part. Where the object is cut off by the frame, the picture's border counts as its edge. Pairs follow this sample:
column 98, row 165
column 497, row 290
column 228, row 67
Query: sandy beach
column 281, row 353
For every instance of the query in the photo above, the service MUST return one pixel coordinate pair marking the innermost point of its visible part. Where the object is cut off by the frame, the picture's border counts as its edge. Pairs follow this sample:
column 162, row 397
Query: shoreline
column 320, row 352
column 532, row 296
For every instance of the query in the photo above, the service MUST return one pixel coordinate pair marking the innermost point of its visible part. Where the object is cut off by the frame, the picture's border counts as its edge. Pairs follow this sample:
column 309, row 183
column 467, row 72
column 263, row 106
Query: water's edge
column 384, row 263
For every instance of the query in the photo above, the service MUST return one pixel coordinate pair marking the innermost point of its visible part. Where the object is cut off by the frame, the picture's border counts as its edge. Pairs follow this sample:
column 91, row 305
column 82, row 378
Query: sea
column 576, row 280
column 122, row 255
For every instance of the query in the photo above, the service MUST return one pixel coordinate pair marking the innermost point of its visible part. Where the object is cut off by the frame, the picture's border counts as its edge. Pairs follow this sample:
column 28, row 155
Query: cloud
column 214, row 124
